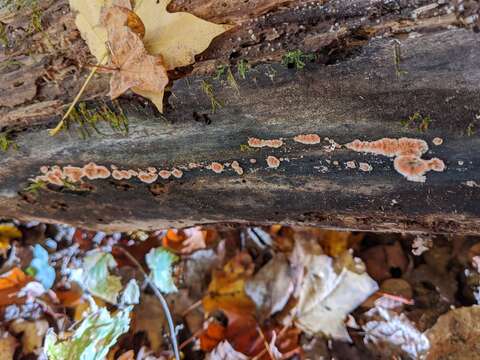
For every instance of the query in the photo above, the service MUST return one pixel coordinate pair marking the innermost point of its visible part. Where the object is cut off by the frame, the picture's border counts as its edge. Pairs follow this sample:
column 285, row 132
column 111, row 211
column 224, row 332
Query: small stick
column 191, row 338
column 265, row 342
column 397, row 298
column 59, row 126
column 160, row 297
column 192, row 307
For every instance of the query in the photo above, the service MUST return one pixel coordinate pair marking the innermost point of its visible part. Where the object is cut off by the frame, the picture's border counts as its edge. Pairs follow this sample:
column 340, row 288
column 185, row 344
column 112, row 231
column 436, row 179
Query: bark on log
column 360, row 87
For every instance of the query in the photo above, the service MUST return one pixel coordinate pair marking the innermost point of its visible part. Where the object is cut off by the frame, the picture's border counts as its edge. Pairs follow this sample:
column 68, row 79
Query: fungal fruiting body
column 273, row 162
column 437, row 141
column 259, row 143
column 147, row 177
column 237, row 168
column 93, row 171
column 390, row 147
column 363, row 166
column 307, row 139
column 415, row 168
column 407, row 153
column 164, row 174
column 216, row 167
column 177, row 173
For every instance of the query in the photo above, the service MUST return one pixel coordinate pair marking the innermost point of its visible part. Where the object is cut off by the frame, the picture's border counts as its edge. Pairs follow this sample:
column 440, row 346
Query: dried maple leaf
column 178, row 37
column 133, row 67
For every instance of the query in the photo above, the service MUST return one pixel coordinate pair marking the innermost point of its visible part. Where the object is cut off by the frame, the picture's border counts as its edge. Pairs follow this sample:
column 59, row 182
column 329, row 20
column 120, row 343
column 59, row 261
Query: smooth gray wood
column 361, row 97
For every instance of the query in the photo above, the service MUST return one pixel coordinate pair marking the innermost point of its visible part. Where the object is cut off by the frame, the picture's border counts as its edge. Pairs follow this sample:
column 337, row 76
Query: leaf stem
column 160, row 297
column 59, row 126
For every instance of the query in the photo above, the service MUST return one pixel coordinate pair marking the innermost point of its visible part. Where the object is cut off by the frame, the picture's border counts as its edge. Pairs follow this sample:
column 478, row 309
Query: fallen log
column 209, row 143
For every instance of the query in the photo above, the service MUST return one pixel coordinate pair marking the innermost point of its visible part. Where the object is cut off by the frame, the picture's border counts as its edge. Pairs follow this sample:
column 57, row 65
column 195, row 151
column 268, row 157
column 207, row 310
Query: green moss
column 219, row 72
column 471, row 129
column 86, row 121
column 35, row 186
column 297, row 59
column 3, row 35
column 243, row 67
column 6, row 142
column 422, row 123
column 207, row 88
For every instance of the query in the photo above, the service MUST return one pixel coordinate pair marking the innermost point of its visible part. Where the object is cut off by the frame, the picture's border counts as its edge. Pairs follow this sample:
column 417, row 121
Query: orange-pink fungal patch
column 273, row 162
column 44, row 169
column 93, row 171
column 151, row 169
column 253, row 161
column 147, row 177
column 437, row 141
column 177, row 173
column 133, row 173
column 390, row 147
column 194, row 165
column 73, row 173
column 307, row 139
column 259, row 143
column 237, row 168
column 216, row 167
column 121, row 174
column 164, row 174
column 363, row 166
column 415, row 168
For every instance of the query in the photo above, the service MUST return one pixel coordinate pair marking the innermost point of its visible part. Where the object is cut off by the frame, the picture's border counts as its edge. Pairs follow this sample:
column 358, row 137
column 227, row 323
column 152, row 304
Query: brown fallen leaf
column 132, row 67
column 455, row 335
column 8, row 344
column 33, row 333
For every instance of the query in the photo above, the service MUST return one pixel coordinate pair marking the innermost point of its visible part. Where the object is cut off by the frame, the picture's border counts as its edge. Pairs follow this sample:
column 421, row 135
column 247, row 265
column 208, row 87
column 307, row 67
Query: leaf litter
column 245, row 293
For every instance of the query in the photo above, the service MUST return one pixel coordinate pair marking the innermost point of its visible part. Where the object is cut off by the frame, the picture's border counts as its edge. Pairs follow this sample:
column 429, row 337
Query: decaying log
column 376, row 67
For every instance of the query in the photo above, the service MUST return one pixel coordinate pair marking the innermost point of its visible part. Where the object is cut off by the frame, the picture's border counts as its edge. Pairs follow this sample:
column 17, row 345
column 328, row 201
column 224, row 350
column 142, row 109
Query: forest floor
column 237, row 293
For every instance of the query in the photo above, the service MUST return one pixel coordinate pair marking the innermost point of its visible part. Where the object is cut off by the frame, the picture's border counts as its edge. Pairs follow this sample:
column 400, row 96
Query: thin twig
column 160, row 297
column 398, row 298
column 265, row 342
column 191, row 338
column 191, row 308
column 59, row 126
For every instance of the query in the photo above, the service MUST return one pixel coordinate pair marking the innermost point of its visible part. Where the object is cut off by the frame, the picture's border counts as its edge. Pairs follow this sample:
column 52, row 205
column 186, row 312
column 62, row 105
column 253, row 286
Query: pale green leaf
column 93, row 337
column 96, row 278
column 131, row 294
column 160, row 262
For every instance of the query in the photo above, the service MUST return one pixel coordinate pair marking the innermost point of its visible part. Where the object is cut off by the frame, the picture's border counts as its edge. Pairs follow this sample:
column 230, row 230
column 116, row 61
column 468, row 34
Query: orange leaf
column 210, row 338
column 227, row 288
column 10, row 284
column 13, row 278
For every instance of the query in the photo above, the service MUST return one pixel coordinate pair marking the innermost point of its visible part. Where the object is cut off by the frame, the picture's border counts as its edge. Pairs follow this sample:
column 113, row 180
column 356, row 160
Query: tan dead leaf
column 148, row 317
column 178, row 37
column 8, row 344
column 33, row 333
column 134, row 68
column 88, row 23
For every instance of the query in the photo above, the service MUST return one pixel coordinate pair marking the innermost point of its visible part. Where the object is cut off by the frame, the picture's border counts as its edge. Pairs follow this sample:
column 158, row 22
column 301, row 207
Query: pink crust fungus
column 44, row 169
column 414, row 168
column 307, row 139
column 273, row 162
column 258, row 143
column 351, row 164
column 253, row 161
column 164, row 174
column 390, row 147
column 93, row 171
column 151, row 169
column 216, row 167
column 177, row 173
column 147, row 177
column 437, row 141
column 237, row 168
column 73, row 174
column 407, row 153
column 365, row 166
column 121, row 174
